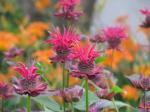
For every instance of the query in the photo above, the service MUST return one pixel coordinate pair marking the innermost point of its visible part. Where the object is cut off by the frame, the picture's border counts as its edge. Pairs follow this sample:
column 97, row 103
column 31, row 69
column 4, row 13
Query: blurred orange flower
column 43, row 55
column 2, row 78
column 37, row 29
column 143, row 69
column 7, row 40
column 130, row 93
column 42, row 4
column 127, row 53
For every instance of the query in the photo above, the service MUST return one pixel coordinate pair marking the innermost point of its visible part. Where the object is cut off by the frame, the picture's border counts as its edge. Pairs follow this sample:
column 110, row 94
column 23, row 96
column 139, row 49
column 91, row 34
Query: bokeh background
column 24, row 24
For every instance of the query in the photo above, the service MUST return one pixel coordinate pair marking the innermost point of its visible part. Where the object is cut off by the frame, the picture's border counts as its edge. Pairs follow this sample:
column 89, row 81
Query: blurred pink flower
column 67, row 10
column 29, row 82
column 85, row 66
column 5, row 91
column 72, row 94
column 63, row 43
column 146, row 23
column 105, row 94
column 114, row 36
column 13, row 52
column 141, row 82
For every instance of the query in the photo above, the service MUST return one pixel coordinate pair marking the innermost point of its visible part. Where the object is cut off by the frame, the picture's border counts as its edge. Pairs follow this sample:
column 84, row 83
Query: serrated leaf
column 100, row 59
column 116, row 89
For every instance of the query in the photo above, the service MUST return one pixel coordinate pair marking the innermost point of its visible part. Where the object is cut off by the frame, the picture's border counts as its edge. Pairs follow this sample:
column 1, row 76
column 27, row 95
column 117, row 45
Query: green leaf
column 38, row 65
column 48, row 103
column 81, row 104
column 100, row 59
column 116, row 89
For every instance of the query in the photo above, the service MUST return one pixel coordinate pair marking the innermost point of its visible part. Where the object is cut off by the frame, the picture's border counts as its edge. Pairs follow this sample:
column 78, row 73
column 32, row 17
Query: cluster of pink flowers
column 67, row 9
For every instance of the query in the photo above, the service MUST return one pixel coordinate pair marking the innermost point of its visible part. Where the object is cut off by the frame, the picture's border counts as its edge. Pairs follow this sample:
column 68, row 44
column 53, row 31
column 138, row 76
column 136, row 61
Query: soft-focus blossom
column 37, row 29
column 67, row 9
column 7, row 40
column 141, row 82
column 42, row 4
column 114, row 36
column 46, row 53
column 146, row 23
column 85, row 66
column 29, row 82
column 63, row 43
column 72, row 94
column 98, row 38
column 5, row 91
column 13, row 52
column 129, row 93
column 128, row 53
column 105, row 94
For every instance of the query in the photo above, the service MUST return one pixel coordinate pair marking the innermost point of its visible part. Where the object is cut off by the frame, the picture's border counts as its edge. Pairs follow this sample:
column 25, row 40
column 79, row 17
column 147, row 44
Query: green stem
column 29, row 103
column 113, row 100
column 2, row 105
column 63, row 83
column 63, row 75
column 67, row 83
column 87, row 97
column 145, row 99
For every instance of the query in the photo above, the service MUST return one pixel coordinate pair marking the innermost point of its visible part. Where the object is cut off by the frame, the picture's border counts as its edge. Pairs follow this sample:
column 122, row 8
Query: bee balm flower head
column 67, row 10
column 63, row 43
column 29, row 82
column 114, row 36
column 5, row 91
column 85, row 62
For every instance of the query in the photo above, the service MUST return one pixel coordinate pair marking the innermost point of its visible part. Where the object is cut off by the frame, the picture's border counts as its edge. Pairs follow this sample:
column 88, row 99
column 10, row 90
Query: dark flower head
column 146, row 23
column 141, row 82
column 67, row 9
column 98, row 38
column 72, row 94
column 114, row 36
column 5, row 91
column 29, row 82
column 13, row 52
column 105, row 94
column 63, row 43
column 85, row 66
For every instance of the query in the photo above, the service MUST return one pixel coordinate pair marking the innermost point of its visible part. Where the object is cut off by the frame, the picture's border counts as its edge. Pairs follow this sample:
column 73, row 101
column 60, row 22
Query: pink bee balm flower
column 5, row 91
column 85, row 62
column 67, row 10
column 63, row 43
column 29, row 82
column 114, row 35
column 146, row 23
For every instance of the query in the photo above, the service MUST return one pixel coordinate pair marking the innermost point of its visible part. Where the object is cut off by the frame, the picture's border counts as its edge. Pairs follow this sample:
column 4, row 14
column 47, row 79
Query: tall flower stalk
column 87, row 95
column 29, row 104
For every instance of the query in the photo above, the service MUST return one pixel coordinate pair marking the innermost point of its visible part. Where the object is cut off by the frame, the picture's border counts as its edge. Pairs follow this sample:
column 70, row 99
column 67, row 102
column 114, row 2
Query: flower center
column 114, row 42
column 62, row 51
column 85, row 66
column 28, row 83
column 145, row 83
